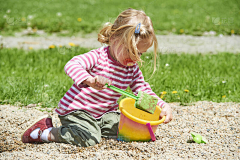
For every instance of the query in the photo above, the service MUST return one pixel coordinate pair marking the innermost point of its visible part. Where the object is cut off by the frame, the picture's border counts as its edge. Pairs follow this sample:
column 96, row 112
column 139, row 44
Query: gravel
column 218, row 122
column 167, row 43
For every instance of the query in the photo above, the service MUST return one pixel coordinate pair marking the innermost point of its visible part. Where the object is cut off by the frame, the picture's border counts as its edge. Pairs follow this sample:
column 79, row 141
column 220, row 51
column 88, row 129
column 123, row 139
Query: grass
column 38, row 77
column 188, row 78
column 179, row 17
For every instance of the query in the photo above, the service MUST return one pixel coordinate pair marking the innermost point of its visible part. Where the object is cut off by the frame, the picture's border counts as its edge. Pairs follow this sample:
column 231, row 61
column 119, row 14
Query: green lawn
column 38, row 76
column 85, row 16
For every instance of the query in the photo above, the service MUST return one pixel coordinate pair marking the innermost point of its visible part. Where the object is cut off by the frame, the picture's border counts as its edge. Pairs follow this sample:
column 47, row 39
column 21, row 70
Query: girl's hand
column 166, row 111
column 97, row 82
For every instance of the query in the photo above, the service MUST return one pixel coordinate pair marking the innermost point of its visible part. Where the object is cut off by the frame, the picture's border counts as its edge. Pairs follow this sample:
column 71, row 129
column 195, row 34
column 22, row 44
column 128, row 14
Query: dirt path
column 218, row 122
column 167, row 43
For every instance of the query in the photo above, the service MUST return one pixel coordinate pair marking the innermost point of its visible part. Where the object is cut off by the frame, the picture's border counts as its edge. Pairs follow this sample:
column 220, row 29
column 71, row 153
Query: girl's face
column 124, row 57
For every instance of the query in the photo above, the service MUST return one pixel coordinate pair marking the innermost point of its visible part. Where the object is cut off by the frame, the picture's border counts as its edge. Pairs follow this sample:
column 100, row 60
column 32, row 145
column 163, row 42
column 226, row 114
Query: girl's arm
column 138, row 84
column 77, row 67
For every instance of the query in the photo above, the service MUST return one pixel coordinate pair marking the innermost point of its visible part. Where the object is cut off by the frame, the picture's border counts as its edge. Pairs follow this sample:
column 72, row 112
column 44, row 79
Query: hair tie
column 137, row 29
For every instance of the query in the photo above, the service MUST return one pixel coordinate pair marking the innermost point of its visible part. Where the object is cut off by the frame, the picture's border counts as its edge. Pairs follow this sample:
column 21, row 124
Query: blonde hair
column 122, row 32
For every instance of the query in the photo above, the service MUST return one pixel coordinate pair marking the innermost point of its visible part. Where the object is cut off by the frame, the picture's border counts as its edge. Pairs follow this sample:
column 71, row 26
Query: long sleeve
column 77, row 67
column 82, row 97
column 138, row 84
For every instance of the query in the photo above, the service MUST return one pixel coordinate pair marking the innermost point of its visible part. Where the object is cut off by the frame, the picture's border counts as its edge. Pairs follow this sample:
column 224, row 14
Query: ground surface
column 218, row 122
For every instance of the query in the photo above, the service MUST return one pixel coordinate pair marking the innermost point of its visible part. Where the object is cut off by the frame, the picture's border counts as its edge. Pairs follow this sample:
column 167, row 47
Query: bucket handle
column 141, row 121
column 151, row 132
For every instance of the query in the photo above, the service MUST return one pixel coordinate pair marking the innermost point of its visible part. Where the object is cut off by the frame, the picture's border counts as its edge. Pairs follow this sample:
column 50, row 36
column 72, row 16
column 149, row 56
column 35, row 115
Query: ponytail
column 105, row 34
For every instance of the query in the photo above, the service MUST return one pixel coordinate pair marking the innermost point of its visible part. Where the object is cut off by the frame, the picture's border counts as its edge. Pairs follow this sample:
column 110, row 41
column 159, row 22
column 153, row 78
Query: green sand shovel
column 144, row 101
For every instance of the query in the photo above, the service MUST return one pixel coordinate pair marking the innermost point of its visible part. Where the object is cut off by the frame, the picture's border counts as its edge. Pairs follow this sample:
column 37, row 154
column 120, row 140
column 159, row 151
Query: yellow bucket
column 136, row 124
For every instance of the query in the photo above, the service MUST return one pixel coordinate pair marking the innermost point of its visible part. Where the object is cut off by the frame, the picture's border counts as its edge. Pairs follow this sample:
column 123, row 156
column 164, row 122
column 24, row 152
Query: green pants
column 80, row 128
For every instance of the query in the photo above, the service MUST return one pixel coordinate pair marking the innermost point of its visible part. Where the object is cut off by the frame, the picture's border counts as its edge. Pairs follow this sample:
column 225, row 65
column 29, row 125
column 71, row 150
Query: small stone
column 185, row 130
column 208, row 130
column 232, row 149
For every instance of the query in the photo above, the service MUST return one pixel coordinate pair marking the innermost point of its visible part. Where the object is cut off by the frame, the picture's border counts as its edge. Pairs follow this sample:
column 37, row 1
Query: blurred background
column 67, row 18
column 206, row 31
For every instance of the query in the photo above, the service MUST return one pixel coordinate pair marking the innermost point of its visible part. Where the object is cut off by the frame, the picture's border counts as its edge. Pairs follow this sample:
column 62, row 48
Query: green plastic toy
column 198, row 138
column 144, row 101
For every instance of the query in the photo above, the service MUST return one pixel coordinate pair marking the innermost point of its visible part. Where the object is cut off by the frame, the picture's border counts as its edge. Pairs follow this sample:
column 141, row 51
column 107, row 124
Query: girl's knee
column 78, row 136
column 109, row 124
column 111, row 117
column 92, row 142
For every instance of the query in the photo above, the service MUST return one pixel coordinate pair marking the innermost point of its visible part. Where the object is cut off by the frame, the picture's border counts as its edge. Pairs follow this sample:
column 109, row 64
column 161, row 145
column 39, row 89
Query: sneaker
column 42, row 123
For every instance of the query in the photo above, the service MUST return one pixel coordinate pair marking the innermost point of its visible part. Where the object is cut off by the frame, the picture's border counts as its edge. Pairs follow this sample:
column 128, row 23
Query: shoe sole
column 45, row 116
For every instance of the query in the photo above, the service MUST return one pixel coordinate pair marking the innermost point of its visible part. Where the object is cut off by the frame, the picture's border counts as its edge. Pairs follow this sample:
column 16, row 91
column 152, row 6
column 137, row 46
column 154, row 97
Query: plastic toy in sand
column 198, row 138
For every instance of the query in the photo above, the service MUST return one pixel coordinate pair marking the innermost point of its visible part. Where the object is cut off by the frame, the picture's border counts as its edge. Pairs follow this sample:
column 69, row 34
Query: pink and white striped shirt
column 98, row 102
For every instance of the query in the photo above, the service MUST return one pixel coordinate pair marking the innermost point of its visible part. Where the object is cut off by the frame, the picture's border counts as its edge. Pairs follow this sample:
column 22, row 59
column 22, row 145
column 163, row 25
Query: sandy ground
column 218, row 122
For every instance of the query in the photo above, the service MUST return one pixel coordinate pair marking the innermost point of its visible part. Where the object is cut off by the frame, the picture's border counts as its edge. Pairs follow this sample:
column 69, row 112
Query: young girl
column 88, row 109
